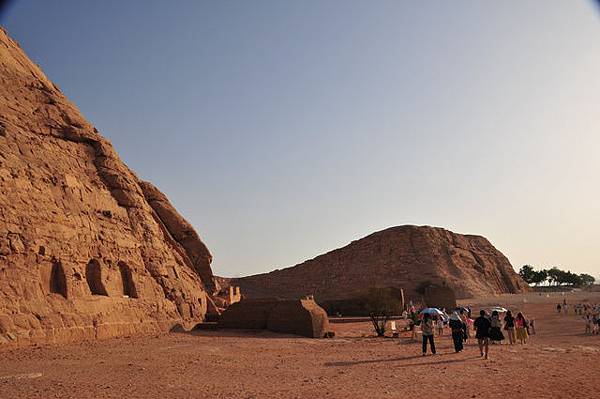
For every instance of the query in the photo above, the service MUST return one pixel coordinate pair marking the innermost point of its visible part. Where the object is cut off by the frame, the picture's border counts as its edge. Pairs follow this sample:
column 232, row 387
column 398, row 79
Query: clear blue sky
column 284, row 129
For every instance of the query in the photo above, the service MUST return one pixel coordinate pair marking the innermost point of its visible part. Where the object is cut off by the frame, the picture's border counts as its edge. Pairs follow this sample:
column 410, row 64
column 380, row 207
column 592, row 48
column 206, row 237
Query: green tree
column 561, row 277
column 527, row 273
column 573, row 279
column 539, row 277
column 555, row 275
column 587, row 280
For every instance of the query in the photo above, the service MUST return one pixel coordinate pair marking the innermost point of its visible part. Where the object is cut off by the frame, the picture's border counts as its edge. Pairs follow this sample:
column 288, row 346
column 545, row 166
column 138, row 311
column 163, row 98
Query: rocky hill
column 407, row 257
column 87, row 250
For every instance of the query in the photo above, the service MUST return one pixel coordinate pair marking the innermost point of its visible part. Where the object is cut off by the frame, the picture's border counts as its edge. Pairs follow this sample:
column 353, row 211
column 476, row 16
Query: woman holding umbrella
column 427, row 330
column 458, row 328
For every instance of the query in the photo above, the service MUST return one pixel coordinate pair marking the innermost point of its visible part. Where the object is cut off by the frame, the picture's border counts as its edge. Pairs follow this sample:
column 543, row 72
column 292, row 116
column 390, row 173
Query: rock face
column 177, row 227
column 439, row 297
column 87, row 250
column 404, row 257
column 301, row 316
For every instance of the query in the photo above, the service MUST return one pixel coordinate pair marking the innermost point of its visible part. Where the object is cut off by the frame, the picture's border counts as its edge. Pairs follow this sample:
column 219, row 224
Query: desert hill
column 86, row 248
column 406, row 257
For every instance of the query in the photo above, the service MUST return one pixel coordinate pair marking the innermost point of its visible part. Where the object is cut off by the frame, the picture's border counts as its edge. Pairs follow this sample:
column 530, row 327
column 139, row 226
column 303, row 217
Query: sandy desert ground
column 559, row 362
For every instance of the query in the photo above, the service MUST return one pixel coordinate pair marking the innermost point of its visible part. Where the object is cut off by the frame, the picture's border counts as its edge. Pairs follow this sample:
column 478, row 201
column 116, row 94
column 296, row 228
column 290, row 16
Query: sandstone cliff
column 408, row 257
column 86, row 249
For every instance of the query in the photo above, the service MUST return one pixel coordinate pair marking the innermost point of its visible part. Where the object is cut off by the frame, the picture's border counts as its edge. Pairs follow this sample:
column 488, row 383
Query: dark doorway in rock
column 58, row 281
column 93, row 275
column 127, row 278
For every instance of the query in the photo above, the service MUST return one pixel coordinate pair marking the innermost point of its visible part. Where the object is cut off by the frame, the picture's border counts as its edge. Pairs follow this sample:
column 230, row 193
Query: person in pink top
column 521, row 327
column 469, row 326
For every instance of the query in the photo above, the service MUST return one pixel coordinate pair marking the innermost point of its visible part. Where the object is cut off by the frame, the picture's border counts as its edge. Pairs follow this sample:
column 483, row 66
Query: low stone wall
column 248, row 314
column 301, row 317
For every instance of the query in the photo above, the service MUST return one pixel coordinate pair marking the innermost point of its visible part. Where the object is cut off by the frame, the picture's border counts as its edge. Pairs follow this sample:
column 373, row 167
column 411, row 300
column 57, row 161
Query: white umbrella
column 498, row 309
column 432, row 311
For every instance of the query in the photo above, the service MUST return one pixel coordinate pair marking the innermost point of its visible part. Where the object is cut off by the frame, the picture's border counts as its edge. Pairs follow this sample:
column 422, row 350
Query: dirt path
column 559, row 362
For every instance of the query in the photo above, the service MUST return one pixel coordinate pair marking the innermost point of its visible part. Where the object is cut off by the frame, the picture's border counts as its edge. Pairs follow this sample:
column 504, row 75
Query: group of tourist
column 584, row 309
column 488, row 329
column 591, row 315
column 589, row 312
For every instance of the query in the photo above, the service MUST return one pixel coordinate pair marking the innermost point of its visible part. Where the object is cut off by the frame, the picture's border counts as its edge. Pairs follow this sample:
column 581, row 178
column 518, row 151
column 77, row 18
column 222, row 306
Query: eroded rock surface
column 86, row 249
column 407, row 257
column 182, row 232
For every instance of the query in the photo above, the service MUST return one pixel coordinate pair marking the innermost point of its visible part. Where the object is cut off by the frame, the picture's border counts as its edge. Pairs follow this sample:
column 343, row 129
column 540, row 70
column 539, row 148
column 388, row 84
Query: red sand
column 559, row 362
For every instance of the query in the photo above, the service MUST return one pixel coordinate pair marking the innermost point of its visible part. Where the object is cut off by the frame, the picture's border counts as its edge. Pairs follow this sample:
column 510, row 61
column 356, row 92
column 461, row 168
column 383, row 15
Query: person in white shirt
column 427, row 332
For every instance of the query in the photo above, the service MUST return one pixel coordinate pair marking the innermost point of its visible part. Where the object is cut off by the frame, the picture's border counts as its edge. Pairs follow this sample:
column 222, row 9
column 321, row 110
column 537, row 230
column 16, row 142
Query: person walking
column 465, row 319
column 439, row 326
column 412, row 326
column 509, row 326
column 482, row 333
column 469, row 326
column 531, row 329
column 588, row 324
column 458, row 328
column 496, row 328
column 521, row 326
column 427, row 331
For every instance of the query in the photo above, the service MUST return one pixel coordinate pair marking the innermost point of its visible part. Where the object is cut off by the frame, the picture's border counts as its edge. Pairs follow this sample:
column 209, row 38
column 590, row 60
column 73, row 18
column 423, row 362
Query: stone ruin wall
column 301, row 317
column 87, row 250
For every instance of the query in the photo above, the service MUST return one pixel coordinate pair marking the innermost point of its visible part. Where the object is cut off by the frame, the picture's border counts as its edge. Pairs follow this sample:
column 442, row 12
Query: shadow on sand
column 401, row 359
column 234, row 333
